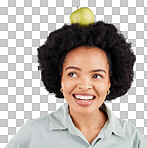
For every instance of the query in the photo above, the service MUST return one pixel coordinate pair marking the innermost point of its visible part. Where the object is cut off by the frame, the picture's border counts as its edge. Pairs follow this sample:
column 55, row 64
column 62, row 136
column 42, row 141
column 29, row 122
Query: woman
column 86, row 66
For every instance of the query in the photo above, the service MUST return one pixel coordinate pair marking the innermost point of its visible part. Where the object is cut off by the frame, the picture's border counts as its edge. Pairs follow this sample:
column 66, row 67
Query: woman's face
column 85, row 73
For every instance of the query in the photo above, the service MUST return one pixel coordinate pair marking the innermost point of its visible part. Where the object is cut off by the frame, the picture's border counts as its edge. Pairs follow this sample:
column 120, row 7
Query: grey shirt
column 56, row 130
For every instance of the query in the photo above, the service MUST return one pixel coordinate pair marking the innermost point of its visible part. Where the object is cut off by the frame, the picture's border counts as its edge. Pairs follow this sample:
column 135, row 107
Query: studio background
column 25, row 25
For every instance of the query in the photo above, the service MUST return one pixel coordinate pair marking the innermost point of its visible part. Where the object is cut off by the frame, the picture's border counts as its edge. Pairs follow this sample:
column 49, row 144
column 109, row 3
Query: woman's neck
column 90, row 122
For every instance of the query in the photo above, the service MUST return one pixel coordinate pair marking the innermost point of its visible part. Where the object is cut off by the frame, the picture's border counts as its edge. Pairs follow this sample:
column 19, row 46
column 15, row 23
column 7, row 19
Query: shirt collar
column 61, row 119
column 113, row 124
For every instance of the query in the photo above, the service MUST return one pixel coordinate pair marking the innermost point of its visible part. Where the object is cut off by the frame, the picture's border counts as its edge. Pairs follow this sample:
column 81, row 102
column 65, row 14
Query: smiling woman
column 83, row 92
column 85, row 66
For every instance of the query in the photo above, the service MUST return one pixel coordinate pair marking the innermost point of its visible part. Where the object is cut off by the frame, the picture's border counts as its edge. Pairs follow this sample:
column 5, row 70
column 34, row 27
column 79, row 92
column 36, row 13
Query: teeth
column 84, row 97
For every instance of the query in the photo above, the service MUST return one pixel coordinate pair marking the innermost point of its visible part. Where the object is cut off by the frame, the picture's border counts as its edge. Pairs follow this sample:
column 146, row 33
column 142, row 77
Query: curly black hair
column 105, row 36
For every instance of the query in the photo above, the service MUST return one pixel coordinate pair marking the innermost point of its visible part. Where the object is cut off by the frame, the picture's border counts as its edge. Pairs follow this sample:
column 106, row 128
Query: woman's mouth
column 84, row 100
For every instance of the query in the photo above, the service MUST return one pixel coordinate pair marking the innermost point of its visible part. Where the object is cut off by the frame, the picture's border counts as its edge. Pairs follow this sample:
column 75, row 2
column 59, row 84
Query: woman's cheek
column 101, row 87
column 68, row 85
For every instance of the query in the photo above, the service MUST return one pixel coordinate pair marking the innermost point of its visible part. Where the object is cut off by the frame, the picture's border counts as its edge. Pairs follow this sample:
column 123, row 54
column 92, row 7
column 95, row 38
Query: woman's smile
column 84, row 102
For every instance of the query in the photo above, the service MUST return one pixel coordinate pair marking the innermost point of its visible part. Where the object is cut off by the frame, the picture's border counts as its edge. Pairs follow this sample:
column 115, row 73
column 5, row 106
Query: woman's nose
column 85, row 84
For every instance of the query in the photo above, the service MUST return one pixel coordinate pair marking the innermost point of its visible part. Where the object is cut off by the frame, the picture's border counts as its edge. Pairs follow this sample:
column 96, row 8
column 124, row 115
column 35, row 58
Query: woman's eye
column 97, row 76
column 72, row 74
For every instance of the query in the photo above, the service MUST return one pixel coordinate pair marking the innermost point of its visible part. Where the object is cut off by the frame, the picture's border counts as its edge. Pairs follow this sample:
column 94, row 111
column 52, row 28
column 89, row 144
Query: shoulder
column 127, row 127
column 27, row 131
column 132, row 133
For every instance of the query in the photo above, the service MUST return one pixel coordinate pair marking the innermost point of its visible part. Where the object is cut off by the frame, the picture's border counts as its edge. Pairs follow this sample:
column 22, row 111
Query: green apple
column 83, row 16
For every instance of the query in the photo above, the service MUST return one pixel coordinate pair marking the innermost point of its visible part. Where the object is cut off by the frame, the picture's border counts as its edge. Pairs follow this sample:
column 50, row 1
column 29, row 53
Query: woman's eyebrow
column 96, row 70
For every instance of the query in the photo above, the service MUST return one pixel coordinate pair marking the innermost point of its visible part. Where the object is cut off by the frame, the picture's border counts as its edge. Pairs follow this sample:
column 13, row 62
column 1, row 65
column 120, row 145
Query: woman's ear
column 61, row 82
column 109, row 83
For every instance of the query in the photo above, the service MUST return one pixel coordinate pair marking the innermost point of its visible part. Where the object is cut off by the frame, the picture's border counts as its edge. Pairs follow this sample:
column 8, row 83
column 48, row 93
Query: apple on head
column 83, row 16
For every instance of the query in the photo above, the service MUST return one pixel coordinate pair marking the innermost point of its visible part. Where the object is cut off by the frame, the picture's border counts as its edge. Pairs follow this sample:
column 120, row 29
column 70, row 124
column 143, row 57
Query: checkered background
column 25, row 25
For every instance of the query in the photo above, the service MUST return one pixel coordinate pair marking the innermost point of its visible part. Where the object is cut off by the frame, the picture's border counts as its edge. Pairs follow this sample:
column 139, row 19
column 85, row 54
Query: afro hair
column 106, row 36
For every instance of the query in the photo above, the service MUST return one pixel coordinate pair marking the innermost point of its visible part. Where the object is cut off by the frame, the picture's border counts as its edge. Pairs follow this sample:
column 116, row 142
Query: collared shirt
column 56, row 130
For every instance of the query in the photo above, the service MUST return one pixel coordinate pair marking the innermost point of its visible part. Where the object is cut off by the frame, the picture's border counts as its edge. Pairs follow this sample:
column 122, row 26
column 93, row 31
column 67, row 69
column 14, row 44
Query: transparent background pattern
column 25, row 25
